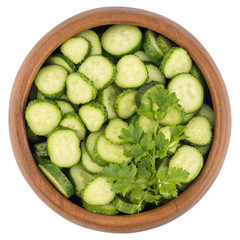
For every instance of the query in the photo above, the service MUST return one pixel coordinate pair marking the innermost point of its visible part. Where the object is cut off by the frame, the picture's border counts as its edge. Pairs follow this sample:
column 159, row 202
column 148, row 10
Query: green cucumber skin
column 62, row 179
column 40, row 149
column 68, row 61
column 164, row 43
column 148, row 47
column 102, row 209
column 97, row 159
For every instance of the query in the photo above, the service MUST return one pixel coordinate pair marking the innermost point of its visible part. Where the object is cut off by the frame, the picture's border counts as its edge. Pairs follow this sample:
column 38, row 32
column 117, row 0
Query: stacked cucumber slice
column 90, row 90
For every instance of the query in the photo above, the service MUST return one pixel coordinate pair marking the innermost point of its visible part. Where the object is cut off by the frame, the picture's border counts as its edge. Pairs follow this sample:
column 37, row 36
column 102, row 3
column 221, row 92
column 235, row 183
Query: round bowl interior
column 64, row 207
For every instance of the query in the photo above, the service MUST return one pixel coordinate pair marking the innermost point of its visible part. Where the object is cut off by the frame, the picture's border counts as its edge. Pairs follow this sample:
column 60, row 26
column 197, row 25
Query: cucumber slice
column 151, row 48
column 121, row 39
column 76, row 49
column 32, row 137
column 114, row 130
column 198, row 131
column 123, row 206
column 64, row 147
column 91, row 141
column 146, row 124
column 39, row 96
column 203, row 149
column 187, row 117
column 110, row 152
column 164, row 43
column 93, row 38
column 207, row 112
column 108, row 97
column 61, row 60
column 79, row 177
column 176, row 61
column 80, row 89
column 40, row 149
column 125, row 104
column 174, row 117
column 132, row 120
column 50, row 81
column 65, row 106
column 107, row 209
column 98, row 69
column 57, row 178
column 195, row 71
column 143, row 92
column 88, row 164
column 98, row 192
column 73, row 121
column 188, row 90
column 42, row 116
column 154, row 74
column 93, row 115
column 143, row 56
column 131, row 72
column 167, row 133
column 189, row 159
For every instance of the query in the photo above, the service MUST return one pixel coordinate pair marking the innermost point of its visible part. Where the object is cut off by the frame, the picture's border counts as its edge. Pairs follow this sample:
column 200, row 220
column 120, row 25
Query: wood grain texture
column 24, row 158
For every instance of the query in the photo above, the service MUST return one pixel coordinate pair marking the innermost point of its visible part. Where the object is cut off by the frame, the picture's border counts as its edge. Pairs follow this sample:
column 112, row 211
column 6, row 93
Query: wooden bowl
column 28, row 166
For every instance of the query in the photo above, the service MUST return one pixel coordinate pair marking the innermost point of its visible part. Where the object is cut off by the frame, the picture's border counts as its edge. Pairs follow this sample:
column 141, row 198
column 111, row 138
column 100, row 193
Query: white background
column 215, row 23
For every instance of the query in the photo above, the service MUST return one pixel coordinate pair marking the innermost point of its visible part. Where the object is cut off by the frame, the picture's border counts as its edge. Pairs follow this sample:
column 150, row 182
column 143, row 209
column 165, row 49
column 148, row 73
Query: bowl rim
column 18, row 99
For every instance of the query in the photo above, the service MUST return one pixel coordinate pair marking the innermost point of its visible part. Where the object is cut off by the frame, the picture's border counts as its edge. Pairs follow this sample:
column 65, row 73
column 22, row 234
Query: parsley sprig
column 139, row 180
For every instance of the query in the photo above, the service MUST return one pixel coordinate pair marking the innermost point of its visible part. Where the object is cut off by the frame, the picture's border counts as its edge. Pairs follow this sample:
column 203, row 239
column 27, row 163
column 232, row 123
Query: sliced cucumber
column 57, row 178
column 164, row 43
column 32, row 137
column 110, row 152
column 61, row 60
column 114, row 130
column 42, row 116
column 187, row 117
column 88, row 164
column 154, row 74
column 189, row 159
column 143, row 56
column 198, row 131
column 125, row 104
column 98, row 192
column 73, row 121
column 76, row 49
column 39, row 96
column 195, row 71
column 146, row 124
column 174, row 117
column 80, row 89
column 98, row 69
column 206, row 111
column 131, row 72
column 188, row 90
column 123, row 206
column 93, row 38
column 132, row 119
column 151, row 48
column 203, row 149
column 121, row 39
column 107, row 209
column 176, row 61
column 79, row 177
column 40, row 149
column 93, row 115
column 50, row 81
column 64, row 147
column 91, row 141
column 65, row 106
column 108, row 97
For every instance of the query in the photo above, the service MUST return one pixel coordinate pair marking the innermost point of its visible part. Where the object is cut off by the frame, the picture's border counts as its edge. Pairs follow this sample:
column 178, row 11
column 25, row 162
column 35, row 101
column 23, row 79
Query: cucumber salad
column 119, row 119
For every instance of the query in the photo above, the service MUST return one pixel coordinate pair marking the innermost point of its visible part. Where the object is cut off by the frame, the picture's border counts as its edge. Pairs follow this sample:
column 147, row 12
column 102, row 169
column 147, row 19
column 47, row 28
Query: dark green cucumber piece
column 64, row 147
column 40, row 149
column 121, row 39
column 50, row 81
column 151, row 48
column 206, row 111
column 76, row 49
column 107, row 209
column 42, row 116
column 57, row 178
column 164, row 43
